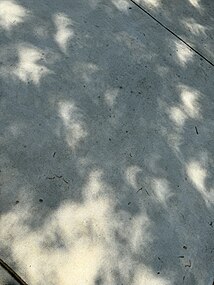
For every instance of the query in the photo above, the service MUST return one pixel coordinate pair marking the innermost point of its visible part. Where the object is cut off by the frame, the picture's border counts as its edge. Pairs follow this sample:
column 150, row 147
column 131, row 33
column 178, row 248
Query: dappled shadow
column 192, row 20
column 11, row 14
column 106, row 159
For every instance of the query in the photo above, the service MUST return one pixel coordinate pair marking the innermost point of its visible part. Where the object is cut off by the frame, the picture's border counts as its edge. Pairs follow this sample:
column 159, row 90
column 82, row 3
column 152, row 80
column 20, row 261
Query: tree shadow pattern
column 106, row 159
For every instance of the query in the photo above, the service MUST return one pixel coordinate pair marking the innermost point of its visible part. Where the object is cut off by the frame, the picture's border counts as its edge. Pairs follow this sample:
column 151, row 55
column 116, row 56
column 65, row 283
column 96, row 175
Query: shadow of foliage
column 107, row 141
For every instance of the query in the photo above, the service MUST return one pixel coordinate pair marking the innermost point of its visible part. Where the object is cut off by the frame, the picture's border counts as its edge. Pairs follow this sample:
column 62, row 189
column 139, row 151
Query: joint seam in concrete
column 12, row 272
column 170, row 31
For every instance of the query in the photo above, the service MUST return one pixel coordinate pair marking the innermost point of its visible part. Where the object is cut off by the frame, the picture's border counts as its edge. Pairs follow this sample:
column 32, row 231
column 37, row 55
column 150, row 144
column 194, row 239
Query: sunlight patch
column 137, row 47
column 29, row 67
column 195, row 28
column 198, row 174
column 189, row 106
column 145, row 276
column 86, row 70
column 121, row 5
column 131, row 175
column 150, row 3
column 161, row 189
column 195, row 3
column 190, row 101
column 183, row 53
column 64, row 30
column 11, row 14
column 111, row 96
column 78, row 241
column 73, row 123
column 177, row 116
column 141, row 235
column 15, row 129
column 95, row 185
column 82, row 264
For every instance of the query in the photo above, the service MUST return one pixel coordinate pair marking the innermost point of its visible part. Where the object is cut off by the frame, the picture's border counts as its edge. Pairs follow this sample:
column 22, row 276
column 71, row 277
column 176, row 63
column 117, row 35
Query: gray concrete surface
column 6, row 279
column 106, row 146
column 192, row 20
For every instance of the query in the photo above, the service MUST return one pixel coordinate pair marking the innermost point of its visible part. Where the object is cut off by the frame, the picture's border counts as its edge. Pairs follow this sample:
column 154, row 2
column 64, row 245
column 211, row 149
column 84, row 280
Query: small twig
column 65, row 180
column 58, row 176
column 139, row 190
column 12, row 273
column 160, row 259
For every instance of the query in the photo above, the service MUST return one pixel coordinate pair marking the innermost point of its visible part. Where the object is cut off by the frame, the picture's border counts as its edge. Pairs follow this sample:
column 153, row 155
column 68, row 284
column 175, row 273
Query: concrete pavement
column 106, row 142
column 191, row 20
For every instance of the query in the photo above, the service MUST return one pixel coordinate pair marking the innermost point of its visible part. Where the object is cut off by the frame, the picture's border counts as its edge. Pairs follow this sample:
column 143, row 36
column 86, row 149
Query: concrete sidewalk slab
column 191, row 20
column 6, row 279
column 106, row 147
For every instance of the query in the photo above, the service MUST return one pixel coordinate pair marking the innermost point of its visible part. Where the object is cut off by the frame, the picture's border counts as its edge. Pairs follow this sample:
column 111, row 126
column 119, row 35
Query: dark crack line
column 170, row 31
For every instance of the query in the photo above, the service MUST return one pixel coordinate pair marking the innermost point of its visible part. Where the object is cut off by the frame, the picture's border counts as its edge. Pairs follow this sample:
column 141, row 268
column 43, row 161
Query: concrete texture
column 192, row 20
column 6, row 279
column 106, row 145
